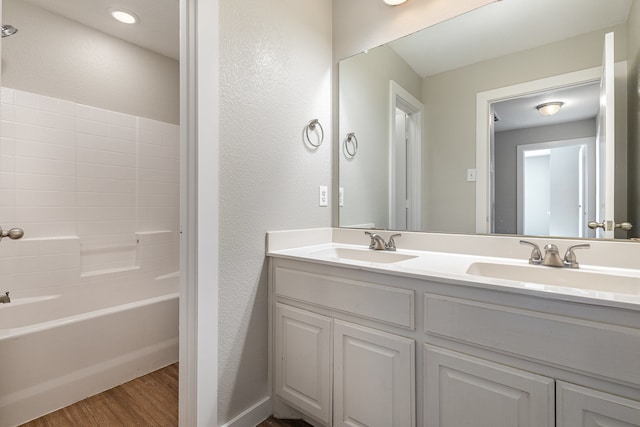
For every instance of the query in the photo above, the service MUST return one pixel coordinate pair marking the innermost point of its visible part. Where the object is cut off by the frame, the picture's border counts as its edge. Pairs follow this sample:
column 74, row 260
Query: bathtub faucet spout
column 5, row 298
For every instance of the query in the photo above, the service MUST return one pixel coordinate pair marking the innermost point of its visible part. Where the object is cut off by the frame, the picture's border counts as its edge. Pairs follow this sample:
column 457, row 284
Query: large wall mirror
column 439, row 130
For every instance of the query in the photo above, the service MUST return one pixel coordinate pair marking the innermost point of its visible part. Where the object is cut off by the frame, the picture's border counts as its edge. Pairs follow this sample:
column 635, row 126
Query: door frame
column 199, row 129
column 402, row 99
column 484, row 119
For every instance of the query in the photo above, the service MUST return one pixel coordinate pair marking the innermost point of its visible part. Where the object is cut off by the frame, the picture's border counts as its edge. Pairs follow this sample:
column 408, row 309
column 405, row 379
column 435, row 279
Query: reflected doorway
column 405, row 160
column 543, row 166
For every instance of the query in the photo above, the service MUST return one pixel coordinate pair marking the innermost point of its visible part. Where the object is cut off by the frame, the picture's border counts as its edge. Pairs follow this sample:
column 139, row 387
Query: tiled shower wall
column 71, row 171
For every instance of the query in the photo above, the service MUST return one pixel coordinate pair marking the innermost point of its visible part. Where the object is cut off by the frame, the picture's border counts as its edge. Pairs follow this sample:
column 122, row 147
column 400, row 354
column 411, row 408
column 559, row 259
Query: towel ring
column 312, row 126
column 352, row 142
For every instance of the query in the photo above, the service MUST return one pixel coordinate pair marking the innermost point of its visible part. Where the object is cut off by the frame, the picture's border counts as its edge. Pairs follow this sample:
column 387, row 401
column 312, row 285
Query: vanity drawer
column 593, row 347
column 385, row 304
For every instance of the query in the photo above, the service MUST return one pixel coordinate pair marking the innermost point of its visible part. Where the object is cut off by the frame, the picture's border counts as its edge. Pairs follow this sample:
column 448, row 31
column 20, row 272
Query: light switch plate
column 471, row 175
column 341, row 196
column 323, row 194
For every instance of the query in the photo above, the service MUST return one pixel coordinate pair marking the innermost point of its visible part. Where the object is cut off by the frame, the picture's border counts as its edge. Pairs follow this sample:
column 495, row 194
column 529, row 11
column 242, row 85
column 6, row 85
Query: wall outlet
column 471, row 175
column 341, row 196
column 323, row 194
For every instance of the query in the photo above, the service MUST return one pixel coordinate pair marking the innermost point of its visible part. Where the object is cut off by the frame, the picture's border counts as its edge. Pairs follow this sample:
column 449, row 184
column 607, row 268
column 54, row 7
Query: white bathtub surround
column 75, row 171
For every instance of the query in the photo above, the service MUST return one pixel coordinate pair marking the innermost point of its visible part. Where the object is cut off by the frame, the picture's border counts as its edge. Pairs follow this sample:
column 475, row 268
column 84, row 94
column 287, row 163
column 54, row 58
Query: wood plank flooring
column 148, row 401
column 151, row 400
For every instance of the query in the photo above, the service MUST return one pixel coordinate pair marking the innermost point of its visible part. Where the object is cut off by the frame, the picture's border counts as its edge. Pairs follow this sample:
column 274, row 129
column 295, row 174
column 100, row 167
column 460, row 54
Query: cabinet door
column 583, row 407
column 374, row 374
column 303, row 360
column 461, row 391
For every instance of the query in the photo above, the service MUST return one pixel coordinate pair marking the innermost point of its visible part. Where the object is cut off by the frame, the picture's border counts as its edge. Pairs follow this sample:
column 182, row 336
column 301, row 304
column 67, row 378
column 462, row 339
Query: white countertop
column 319, row 246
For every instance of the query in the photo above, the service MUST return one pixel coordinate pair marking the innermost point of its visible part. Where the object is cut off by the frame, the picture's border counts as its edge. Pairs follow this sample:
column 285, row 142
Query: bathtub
column 60, row 348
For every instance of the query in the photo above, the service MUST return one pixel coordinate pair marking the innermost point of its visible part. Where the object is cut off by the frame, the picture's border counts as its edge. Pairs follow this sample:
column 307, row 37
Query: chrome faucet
column 377, row 242
column 5, row 298
column 551, row 256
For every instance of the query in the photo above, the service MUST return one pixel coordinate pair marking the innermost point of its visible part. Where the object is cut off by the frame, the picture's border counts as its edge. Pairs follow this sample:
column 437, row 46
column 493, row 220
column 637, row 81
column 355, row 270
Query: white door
column 373, row 378
column 605, row 143
column 583, row 407
column 461, row 391
column 303, row 360
column 405, row 159
column 400, row 142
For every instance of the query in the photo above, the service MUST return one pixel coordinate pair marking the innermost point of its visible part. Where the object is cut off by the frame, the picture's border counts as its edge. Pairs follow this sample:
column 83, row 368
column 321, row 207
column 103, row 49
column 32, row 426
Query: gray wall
column 58, row 57
column 450, row 116
column 365, row 96
column 275, row 76
column 506, row 144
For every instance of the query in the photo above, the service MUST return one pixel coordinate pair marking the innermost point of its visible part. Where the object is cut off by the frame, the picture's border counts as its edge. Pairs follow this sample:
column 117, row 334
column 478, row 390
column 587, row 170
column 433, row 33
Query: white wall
column 365, row 95
column 275, row 76
column 58, row 57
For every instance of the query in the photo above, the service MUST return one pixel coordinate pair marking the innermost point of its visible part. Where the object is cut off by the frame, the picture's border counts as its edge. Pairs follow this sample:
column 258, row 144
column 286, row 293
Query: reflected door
column 605, row 143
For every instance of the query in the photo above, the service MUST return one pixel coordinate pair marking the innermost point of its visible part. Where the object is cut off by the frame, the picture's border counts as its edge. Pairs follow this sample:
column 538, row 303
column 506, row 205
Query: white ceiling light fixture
column 124, row 16
column 549, row 108
column 394, row 2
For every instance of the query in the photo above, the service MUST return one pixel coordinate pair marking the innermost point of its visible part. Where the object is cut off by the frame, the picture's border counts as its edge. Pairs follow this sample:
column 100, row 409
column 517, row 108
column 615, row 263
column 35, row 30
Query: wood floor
column 151, row 400
column 148, row 401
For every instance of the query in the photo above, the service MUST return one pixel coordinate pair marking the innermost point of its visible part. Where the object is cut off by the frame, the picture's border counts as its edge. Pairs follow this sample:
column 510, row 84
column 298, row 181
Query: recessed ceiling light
column 124, row 16
column 394, row 2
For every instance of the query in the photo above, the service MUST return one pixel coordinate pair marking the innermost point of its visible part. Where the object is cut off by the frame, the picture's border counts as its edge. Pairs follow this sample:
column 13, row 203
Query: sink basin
column 587, row 280
column 385, row 257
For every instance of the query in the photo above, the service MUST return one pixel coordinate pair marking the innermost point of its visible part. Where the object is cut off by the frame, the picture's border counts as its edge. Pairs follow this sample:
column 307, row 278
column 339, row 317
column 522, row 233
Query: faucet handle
column 536, row 255
column 391, row 246
column 570, row 257
column 372, row 244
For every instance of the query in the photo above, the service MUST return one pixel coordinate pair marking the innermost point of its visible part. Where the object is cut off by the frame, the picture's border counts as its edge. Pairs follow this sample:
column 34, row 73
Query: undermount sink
column 368, row 255
column 587, row 280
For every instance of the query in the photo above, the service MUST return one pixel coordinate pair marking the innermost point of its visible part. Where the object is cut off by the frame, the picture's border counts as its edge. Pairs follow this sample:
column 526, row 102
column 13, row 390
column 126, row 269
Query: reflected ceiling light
column 394, row 2
column 124, row 16
column 8, row 30
column 549, row 108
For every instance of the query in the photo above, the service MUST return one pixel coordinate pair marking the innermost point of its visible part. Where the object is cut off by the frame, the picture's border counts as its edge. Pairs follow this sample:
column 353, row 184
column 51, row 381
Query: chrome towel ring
column 351, row 145
column 311, row 126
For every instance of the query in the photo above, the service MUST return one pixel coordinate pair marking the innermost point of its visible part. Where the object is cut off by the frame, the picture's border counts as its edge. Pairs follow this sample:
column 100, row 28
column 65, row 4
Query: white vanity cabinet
column 461, row 390
column 302, row 353
column 373, row 374
column 339, row 372
column 580, row 406
column 359, row 347
column 373, row 377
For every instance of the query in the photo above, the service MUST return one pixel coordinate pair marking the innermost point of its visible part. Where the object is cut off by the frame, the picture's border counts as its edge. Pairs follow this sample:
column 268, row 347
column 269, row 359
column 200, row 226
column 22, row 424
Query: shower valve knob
column 13, row 234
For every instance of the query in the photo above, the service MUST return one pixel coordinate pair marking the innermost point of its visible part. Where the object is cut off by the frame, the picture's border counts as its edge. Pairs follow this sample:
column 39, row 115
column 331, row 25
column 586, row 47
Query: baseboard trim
column 252, row 416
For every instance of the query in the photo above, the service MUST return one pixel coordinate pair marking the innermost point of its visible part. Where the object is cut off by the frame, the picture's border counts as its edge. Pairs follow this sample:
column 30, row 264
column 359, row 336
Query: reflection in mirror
column 446, row 68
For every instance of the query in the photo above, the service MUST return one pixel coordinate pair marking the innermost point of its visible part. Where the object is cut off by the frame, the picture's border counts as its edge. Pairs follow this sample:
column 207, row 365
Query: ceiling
column 505, row 27
column 510, row 26
column 580, row 102
column 158, row 29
